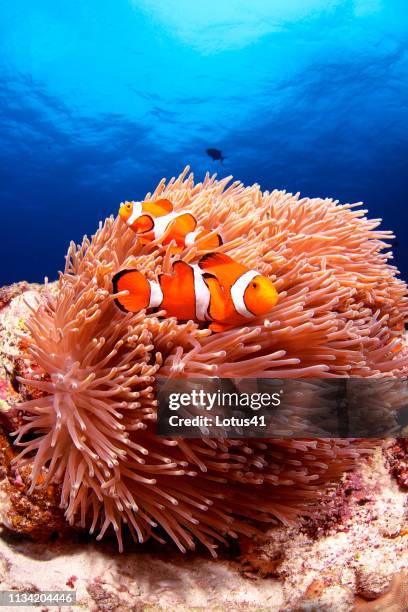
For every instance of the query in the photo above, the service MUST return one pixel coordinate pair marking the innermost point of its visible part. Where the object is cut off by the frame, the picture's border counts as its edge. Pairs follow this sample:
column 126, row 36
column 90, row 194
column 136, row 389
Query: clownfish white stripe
column 202, row 294
column 137, row 211
column 156, row 294
column 161, row 223
column 238, row 290
column 190, row 238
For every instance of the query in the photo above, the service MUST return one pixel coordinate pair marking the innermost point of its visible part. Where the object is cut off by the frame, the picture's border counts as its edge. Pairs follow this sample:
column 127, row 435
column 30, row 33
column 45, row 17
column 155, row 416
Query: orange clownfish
column 217, row 289
column 151, row 220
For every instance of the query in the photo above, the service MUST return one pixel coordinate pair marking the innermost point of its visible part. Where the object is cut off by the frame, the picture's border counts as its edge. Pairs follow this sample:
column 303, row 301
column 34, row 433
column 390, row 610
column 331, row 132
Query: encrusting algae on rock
column 341, row 312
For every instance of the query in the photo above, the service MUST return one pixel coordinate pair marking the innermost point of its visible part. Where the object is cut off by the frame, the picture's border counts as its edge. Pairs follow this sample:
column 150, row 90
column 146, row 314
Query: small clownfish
column 397, row 347
column 218, row 289
column 151, row 220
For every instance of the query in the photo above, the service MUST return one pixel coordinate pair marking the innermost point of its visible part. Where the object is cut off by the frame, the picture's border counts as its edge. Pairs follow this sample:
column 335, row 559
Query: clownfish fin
column 182, row 269
column 216, row 308
column 165, row 205
column 178, row 290
column 138, row 288
column 226, row 269
column 215, row 259
column 219, row 327
column 207, row 241
column 182, row 225
column 143, row 224
column 157, row 208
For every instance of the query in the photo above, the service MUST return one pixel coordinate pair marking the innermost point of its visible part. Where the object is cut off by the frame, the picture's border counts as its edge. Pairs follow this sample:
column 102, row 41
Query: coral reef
column 357, row 562
column 90, row 430
column 351, row 555
column 37, row 515
column 398, row 461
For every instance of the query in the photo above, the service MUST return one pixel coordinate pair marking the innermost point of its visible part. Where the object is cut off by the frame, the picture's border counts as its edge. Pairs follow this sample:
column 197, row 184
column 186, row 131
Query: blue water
column 99, row 100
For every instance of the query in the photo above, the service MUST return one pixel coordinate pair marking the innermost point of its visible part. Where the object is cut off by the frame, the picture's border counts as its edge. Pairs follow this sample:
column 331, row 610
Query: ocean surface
column 100, row 100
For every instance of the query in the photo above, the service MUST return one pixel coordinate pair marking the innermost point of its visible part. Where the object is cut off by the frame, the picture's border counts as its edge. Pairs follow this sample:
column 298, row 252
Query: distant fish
column 218, row 289
column 157, row 218
column 215, row 155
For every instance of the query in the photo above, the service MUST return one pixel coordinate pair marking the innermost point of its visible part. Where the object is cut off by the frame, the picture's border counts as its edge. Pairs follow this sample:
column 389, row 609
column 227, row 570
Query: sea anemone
column 341, row 312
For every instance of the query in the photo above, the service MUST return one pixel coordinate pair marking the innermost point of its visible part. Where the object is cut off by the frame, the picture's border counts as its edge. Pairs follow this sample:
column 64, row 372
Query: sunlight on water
column 222, row 25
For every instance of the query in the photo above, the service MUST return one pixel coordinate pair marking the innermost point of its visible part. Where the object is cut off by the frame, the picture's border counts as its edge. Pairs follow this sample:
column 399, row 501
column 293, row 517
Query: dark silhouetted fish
column 215, row 154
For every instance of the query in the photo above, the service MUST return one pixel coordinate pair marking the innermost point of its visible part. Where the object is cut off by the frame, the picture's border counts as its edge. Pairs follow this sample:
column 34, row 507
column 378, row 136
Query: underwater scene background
column 100, row 100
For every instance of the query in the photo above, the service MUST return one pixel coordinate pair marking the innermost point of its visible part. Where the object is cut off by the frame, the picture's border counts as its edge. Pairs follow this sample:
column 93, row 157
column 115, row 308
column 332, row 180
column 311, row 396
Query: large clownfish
column 151, row 220
column 218, row 289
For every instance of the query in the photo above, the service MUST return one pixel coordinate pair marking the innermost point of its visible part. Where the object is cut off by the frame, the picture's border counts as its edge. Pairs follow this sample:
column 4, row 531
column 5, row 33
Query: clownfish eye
column 128, row 205
column 255, row 285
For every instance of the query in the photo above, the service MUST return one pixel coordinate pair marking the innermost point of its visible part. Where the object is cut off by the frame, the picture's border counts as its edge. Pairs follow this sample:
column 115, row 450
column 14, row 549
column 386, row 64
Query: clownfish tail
column 204, row 240
column 137, row 287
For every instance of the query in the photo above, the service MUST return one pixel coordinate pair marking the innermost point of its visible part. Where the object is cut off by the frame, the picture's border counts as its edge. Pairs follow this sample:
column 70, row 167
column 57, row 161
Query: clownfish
column 217, row 289
column 151, row 220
